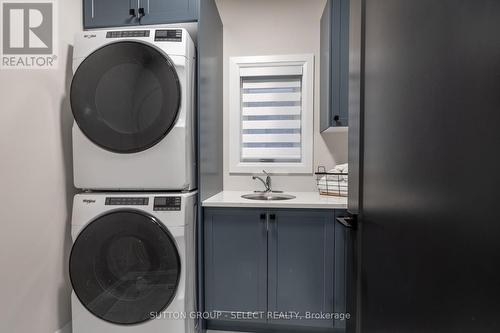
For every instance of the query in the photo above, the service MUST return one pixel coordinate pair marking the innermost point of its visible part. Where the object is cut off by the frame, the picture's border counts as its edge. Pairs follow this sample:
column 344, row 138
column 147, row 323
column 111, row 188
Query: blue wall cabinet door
column 109, row 13
column 235, row 262
column 117, row 13
column 334, row 62
column 169, row 11
column 301, row 265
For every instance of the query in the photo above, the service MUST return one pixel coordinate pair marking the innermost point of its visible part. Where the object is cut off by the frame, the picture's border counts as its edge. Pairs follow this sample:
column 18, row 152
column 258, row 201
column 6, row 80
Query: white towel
column 333, row 187
column 335, row 184
column 330, row 183
column 340, row 168
column 334, row 178
column 333, row 192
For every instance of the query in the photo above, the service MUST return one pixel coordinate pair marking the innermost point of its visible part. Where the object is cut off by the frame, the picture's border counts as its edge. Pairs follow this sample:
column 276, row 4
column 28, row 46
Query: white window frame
column 306, row 61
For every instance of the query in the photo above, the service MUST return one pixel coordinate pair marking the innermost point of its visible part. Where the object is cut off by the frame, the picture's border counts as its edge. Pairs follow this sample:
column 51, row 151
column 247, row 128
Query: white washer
column 132, row 98
column 132, row 264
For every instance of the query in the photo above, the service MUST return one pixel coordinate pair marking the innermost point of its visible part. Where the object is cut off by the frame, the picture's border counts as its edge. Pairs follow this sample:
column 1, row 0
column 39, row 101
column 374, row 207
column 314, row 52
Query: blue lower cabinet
column 301, row 259
column 281, row 263
column 343, row 262
column 235, row 263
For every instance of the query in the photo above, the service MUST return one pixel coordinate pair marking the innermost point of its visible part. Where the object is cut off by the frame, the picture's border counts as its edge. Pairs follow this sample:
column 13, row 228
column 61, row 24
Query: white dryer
column 132, row 98
column 132, row 264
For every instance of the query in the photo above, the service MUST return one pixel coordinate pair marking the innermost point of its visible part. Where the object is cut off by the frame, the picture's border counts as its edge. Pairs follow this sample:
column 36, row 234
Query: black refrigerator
column 424, row 154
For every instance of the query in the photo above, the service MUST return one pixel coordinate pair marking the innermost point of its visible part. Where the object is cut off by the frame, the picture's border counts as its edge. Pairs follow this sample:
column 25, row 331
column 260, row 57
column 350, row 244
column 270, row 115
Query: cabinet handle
column 131, row 12
column 141, row 13
column 337, row 121
column 348, row 222
column 263, row 219
column 272, row 217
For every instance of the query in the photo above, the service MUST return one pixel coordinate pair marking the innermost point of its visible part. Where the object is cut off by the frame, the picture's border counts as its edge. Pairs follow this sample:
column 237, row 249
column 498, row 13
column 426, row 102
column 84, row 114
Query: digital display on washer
column 126, row 201
column 168, row 35
column 167, row 203
column 129, row 33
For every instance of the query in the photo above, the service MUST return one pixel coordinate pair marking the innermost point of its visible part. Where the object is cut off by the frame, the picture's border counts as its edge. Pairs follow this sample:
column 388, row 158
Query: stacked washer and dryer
column 132, row 263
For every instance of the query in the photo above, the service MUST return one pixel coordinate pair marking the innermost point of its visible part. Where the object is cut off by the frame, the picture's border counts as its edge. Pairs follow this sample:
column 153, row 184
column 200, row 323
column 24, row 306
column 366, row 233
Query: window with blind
column 271, row 114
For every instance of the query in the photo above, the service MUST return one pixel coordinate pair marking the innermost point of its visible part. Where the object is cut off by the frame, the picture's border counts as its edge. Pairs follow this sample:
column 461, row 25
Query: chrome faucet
column 267, row 183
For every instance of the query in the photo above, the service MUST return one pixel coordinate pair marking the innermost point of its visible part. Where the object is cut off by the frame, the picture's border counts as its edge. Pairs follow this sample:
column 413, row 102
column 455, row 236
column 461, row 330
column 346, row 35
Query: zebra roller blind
column 271, row 111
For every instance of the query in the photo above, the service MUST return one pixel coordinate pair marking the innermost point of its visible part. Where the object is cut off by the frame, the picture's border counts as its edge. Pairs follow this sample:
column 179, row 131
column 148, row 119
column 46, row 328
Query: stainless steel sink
column 268, row 196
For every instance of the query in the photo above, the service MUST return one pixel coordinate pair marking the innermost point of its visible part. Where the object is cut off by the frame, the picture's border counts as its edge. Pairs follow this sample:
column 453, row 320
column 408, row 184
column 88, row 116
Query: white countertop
column 302, row 200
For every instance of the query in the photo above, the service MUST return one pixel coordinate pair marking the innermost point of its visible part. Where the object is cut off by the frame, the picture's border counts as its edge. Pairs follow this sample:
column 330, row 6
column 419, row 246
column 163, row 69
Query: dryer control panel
column 167, row 203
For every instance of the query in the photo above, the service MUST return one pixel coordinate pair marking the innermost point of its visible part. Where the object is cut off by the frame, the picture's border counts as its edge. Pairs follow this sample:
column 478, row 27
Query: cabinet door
column 301, row 265
column 169, row 11
column 325, row 65
column 342, row 261
column 109, row 13
column 335, row 64
column 235, row 262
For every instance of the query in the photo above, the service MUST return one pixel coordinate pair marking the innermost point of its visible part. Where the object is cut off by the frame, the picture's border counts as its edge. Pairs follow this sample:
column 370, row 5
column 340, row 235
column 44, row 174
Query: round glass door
column 125, row 97
column 124, row 266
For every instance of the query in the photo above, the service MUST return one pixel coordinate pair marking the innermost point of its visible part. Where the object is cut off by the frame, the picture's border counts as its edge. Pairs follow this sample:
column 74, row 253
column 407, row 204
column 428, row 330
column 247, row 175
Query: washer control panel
column 126, row 201
column 167, row 203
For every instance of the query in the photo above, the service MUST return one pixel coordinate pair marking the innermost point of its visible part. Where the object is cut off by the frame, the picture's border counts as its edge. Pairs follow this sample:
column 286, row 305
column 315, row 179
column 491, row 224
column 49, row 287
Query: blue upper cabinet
column 169, row 11
column 334, row 65
column 109, row 13
column 117, row 13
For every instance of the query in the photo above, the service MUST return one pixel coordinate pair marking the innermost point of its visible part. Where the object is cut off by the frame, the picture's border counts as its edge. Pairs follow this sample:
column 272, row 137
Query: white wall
column 267, row 27
column 36, row 189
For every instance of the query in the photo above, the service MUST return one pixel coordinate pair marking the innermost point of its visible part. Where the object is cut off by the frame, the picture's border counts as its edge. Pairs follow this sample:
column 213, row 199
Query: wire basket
column 331, row 183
